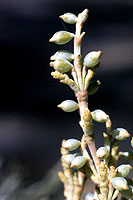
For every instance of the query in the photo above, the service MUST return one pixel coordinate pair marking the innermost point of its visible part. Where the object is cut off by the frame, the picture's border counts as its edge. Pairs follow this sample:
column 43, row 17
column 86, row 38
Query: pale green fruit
column 72, row 144
column 69, row 18
column 62, row 37
column 61, row 65
column 123, row 170
column 128, row 194
column 102, row 152
column 120, row 134
column 92, row 58
column 89, row 196
column 119, row 183
column 99, row 116
column 78, row 162
column 63, row 54
column 68, row 106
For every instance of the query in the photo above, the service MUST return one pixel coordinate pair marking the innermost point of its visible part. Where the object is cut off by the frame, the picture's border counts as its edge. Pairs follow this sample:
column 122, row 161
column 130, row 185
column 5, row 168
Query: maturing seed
column 119, row 183
column 61, row 37
column 61, row 65
column 68, row 158
column 120, row 134
column 78, row 162
column 63, row 54
column 69, row 18
column 102, row 152
column 92, row 58
column 99, row 116
column 68, row 106
column 123, row 170
column 71, row 144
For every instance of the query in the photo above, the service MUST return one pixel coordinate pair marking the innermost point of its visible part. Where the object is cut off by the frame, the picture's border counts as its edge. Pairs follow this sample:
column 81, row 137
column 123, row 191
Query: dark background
column 31, row 126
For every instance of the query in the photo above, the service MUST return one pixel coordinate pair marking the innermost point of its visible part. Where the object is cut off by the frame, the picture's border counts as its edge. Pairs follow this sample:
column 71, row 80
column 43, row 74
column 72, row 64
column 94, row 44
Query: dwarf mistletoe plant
column 99, row 165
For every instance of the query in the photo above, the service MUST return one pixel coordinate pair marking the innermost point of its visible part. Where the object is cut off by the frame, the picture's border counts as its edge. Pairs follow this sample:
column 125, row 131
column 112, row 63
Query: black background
column 31, row 126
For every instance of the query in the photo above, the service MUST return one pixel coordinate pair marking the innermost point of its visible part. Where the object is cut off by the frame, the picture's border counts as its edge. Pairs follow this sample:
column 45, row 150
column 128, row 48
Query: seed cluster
column 99, row 165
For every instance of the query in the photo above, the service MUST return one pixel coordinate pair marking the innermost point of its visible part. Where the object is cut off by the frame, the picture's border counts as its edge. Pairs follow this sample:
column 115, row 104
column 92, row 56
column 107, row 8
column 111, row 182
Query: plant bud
column 128, row 194
column 78, row 162
column 61, row 37
column 82, row 17
column 92, row 58
column 123, row 170
column 69, row 158
column 68, row 106
column 71, row 144
column 93, row 87
column 102, row 152
column 61, row 65
column 119, row 183
column 120, row 134
column 89, row 196
column 69, row 18
column 63, row 54
column 99, row 116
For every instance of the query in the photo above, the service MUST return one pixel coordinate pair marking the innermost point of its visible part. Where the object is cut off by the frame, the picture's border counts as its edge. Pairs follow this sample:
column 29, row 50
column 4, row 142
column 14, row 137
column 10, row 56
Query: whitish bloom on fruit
column 78, row 162
column 71, row 144
column 119, row 183
column 92, row 58
column 69, row 18
column 63, row 54
column 99, row 116
column 61, row 65
column 128, row 194
column 82, row 17
column 123, row 170
column 89, row 196
column 120, row 134
column 62, row 37
column 68, row 106
column 102, row 152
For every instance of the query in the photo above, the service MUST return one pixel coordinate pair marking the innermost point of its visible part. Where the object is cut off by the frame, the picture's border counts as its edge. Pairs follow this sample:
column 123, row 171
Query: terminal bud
column 61, row 65
column 102, row 152
column 120, row 134
column 62, row 54
column 61, row 37
column 99, row 116
column 123, row 170
column 68, row 106
column 92, row 58
column 82, row 17
column 69, row 18
column 119, row 183
column 71, row 144
column 78, row 162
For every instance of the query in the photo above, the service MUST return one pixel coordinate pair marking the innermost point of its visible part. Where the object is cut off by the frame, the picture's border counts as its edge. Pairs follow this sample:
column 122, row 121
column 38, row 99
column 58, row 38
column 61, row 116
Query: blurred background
column 31, row 125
